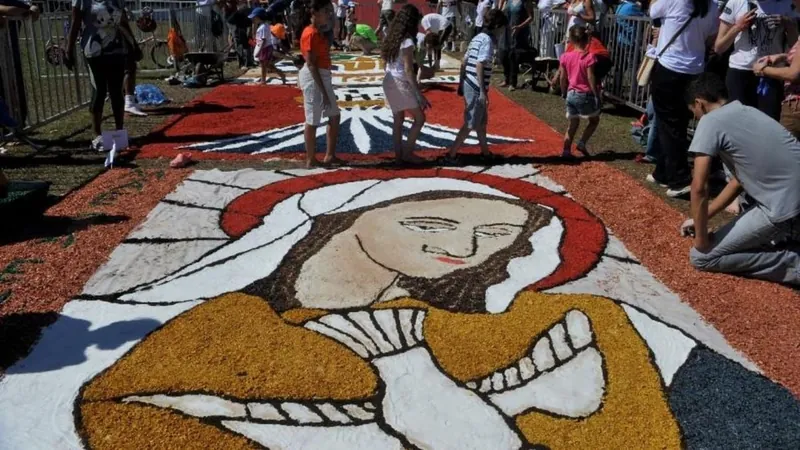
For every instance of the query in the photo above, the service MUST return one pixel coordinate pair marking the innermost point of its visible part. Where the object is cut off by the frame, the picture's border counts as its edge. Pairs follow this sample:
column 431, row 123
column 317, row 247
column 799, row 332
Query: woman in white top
column 400, row 84
column 755, row 29
column 686, row 28
column 581, row 12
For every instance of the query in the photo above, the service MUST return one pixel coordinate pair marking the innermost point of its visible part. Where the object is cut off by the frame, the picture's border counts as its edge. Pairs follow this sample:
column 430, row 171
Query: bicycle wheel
column 159, row 54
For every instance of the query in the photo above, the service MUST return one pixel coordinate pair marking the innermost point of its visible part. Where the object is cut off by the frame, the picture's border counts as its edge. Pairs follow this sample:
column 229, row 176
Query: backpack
column 176, row 44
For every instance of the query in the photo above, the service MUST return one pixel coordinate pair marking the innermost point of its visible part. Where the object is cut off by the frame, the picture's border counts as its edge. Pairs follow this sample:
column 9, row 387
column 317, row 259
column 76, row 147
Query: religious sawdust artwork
column 355, row 69
column 224, row 124
column 470, row 308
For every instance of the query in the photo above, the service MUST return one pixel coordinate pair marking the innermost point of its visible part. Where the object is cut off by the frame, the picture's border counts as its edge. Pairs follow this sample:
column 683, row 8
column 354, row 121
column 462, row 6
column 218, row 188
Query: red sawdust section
column 234, row 110
column 761, row 319
column 58, row 268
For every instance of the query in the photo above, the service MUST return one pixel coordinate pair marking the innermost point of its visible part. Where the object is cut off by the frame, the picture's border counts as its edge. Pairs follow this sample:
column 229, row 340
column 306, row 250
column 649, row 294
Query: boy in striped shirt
column 476, row 70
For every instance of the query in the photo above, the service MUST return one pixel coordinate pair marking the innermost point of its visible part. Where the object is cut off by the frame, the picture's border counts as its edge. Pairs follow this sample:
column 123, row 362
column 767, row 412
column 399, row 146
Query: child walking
column 580, row 88
column 400, row 83
column 314, row 78
column 476, row 69
column 267, row 45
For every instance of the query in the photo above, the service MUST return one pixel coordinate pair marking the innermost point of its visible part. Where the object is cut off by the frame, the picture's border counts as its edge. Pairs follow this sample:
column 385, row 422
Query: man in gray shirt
column 764, row 159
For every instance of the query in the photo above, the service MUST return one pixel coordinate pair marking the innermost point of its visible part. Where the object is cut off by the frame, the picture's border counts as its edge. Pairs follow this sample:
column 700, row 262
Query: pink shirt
column 576, row 64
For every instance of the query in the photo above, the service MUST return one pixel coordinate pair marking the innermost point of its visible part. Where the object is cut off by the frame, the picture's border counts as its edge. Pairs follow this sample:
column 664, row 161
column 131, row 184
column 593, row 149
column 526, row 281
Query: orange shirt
column 596, row 48
column 313, row 40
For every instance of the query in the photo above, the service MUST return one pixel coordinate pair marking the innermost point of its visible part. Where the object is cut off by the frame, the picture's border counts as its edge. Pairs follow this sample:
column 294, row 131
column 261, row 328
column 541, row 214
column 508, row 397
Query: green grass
column 67, row 161
column 612, row 143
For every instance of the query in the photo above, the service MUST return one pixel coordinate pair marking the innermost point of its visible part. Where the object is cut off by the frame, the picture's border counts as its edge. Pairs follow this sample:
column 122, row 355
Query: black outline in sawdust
column 216, row 183
column 142, row 287
column 182, row 204
column 545, row 333
column 77, row 415
column 364, row 330
column 158, row 241
column 627, row 260
column 115, row 297
column 563, row 325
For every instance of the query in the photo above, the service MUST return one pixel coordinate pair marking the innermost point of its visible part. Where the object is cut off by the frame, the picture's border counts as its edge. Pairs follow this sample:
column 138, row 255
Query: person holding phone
column 755, row 28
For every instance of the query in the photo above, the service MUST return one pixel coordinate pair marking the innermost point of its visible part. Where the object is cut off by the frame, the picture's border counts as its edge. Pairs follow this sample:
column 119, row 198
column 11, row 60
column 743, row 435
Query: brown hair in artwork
column 462, row 290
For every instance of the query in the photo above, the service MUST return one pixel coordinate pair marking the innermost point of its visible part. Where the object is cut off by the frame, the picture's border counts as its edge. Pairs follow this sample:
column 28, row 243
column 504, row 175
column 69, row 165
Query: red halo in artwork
column 581, row 244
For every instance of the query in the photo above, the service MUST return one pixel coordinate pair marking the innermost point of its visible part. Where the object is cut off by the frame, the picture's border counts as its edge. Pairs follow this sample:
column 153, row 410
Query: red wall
column 368, row 11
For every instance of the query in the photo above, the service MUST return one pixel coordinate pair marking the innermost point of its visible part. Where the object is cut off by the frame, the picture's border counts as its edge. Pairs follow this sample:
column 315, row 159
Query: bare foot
column 311, row 163
column 333, row 161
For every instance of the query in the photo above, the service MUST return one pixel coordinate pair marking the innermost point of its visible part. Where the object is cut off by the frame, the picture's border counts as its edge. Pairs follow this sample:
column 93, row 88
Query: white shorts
column 312, row 96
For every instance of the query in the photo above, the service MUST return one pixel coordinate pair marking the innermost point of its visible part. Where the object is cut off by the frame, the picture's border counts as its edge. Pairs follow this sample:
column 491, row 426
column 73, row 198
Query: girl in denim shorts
column 581, row 90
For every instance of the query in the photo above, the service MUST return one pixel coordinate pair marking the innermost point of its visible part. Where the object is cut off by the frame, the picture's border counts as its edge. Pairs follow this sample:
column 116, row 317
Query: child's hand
column 326, row 103
column 687, row 228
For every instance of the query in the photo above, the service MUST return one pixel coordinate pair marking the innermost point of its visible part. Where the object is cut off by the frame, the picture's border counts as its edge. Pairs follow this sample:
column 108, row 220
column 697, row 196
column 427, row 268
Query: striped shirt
column 480, row 50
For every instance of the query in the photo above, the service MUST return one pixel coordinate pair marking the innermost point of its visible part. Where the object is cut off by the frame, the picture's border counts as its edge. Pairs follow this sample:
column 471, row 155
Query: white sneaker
column 132, row 108
column 651, row 179
column 675, row 193
column 97, row 144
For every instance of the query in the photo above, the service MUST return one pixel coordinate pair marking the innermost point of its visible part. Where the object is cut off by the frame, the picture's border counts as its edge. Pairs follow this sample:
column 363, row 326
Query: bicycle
column 158, row 49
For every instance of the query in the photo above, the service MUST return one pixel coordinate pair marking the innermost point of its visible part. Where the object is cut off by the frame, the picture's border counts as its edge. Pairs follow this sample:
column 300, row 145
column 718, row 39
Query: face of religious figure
column 430, row 239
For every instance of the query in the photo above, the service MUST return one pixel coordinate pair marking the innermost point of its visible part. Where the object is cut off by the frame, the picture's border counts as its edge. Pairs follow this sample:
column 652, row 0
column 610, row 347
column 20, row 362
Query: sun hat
column 279, row 30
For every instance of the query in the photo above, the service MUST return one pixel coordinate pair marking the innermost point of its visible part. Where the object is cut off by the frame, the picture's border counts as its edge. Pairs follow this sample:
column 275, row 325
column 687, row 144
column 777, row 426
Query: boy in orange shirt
column 315, row 81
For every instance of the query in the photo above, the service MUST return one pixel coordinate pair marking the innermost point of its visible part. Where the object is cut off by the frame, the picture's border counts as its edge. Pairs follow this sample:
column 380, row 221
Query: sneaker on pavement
column 97, row 144
column 651, row 179
column 680, row 192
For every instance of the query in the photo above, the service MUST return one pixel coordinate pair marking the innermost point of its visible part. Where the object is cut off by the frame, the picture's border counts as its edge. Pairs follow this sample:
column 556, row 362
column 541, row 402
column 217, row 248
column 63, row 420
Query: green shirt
column 366, row 32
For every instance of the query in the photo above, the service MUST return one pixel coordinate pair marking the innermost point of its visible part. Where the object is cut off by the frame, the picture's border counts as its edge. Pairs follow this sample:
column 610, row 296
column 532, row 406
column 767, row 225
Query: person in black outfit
column 241, row 34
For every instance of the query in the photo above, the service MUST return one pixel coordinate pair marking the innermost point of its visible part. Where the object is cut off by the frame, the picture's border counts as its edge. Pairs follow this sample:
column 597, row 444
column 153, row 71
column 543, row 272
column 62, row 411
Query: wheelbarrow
column 208, row 64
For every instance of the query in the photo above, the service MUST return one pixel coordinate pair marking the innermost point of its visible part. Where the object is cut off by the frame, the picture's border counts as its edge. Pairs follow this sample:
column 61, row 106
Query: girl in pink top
column 580, row 89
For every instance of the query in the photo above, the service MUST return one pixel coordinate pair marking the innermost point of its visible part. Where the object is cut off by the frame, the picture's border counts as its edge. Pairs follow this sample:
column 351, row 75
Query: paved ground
column 524, row 303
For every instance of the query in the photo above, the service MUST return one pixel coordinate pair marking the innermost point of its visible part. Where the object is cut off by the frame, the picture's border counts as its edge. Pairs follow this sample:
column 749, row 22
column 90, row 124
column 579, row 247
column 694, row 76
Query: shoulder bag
column 648, row 63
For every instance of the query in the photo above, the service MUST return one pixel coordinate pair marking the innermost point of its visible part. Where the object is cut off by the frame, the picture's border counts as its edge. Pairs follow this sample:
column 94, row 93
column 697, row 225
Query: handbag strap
column 675, row 36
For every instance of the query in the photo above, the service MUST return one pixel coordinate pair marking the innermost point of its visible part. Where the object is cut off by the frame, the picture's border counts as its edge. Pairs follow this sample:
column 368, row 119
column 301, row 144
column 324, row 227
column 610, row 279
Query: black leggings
column 743, row 86
column 107, row 74
column 668, row 89
column 342, row 29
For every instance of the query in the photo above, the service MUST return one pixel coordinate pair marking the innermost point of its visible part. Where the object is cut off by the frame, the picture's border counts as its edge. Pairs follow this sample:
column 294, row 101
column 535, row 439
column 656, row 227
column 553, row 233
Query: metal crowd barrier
column 623, row 36
column 36, row 91
column 39, row 92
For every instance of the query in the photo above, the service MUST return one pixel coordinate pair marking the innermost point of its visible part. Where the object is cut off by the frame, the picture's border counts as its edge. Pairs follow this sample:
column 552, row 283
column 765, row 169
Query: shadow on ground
column 19, row 332
column 52, row 227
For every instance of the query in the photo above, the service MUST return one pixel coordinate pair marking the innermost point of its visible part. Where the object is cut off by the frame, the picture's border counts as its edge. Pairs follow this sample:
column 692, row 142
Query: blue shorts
column 582, row 105
column 476, row 114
